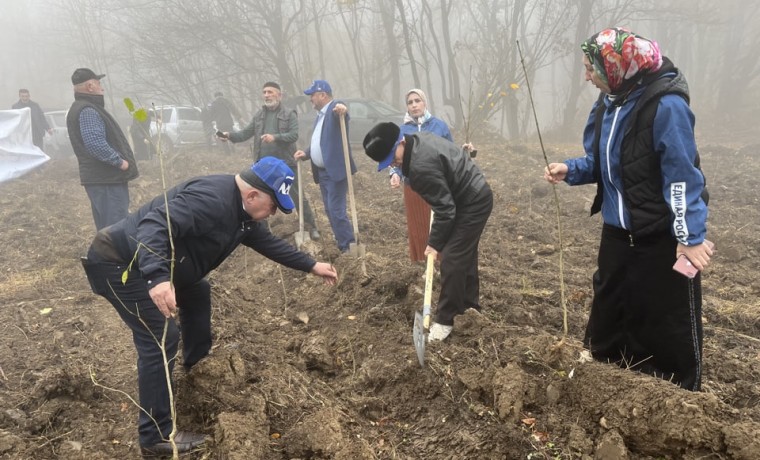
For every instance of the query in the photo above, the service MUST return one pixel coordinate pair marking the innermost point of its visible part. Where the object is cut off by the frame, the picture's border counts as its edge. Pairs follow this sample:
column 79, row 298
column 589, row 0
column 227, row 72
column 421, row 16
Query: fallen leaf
column 514, row 86
column 351, row 317
column 75, row 445
column 585, row 357
column 275, row 435
column 529, row 421
column 45, row 311
column 303, row 317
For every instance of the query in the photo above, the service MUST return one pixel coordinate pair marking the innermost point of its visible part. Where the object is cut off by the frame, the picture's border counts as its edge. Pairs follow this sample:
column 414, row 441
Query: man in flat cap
column 106, row 161
column 210, row 216
column 274, row 129
column 445, row 176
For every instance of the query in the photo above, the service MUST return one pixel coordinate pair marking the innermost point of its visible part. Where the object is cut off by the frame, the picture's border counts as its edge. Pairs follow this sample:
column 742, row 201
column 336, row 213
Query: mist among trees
column 462, row 53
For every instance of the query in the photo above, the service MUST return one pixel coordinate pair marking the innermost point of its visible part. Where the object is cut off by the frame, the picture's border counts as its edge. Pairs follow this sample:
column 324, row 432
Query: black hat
column 82, row 75
column 380, row 143
column 271, row 84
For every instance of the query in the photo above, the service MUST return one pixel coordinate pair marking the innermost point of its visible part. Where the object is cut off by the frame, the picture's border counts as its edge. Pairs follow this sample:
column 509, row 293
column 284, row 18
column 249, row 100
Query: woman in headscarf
column 641, row 153
column 418, row 118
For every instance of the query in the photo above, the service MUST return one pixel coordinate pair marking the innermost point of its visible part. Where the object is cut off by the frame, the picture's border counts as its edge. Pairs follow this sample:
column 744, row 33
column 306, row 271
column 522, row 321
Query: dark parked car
column 365, row 113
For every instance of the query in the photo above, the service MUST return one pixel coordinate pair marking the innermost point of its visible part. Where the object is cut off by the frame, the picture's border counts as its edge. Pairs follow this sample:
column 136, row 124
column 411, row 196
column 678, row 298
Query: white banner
column 18, row 155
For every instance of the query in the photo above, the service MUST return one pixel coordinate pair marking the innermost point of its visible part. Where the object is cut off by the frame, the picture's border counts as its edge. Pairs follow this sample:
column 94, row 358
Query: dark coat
column 91, row 170
column 207, row 223
column 444, row 176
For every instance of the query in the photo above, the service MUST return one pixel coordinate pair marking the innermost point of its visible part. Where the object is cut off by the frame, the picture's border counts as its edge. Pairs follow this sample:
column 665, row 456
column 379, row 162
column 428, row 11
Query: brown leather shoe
column 185, row 441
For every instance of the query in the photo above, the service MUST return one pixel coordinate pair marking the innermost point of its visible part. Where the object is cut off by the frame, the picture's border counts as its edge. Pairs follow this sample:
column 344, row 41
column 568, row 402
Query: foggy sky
column 42, row 45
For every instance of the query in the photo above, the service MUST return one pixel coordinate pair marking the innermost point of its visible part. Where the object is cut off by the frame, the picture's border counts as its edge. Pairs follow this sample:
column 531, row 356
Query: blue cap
column 273, row 176
column 317, row 86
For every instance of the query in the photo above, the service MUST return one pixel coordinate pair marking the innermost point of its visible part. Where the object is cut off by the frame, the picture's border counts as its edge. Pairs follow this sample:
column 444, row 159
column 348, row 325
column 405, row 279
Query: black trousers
column 460, row 284
column 646, row 316
column 135, row 307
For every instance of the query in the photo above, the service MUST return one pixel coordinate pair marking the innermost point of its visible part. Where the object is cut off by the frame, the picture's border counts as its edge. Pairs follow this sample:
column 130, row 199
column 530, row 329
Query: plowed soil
column 300, row 370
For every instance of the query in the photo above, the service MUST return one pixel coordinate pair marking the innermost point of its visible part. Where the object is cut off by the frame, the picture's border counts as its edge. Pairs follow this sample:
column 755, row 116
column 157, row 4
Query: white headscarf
column 408, row 119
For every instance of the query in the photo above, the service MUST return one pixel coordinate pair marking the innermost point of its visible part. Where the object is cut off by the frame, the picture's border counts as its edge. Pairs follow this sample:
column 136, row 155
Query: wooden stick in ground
column 556, row 201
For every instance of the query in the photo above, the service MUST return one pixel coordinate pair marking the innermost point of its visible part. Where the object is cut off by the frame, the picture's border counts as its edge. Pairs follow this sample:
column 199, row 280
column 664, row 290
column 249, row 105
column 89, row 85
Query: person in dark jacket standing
column 106, row 161
column 641, row 153
column 328, row 164
column 223, row 112
column 210, row 216
column 445, row 176
column 274, row 129
column 39, row 123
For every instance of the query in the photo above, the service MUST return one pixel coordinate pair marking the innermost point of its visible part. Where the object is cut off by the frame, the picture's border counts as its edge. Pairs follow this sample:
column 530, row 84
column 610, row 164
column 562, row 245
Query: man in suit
column 328, row 165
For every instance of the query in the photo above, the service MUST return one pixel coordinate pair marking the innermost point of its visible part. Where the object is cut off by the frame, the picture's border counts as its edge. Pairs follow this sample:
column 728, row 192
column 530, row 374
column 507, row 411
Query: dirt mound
column 301, row 370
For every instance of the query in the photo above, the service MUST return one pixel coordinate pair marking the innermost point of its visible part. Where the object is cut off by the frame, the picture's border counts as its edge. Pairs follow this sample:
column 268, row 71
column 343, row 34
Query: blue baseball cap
column 381, row 142
column 317, row 86
column 274, row 177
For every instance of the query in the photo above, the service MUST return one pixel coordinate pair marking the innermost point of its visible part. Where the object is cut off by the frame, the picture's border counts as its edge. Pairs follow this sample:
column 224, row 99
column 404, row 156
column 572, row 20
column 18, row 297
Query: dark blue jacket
column 207, row 223
column 332, row 146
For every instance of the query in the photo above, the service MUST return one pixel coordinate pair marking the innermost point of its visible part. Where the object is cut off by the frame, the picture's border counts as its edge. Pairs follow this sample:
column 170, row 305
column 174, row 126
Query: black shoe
column 314, row 233
column 185, row 441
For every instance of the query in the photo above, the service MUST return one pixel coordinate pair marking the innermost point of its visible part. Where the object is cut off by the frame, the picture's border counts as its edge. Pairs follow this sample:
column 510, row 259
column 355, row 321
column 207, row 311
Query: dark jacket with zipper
column 207, row 224
column 285, row 134
column 444, row 176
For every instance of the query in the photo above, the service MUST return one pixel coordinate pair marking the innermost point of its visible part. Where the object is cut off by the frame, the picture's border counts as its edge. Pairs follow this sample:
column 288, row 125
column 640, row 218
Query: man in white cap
column 210, row 216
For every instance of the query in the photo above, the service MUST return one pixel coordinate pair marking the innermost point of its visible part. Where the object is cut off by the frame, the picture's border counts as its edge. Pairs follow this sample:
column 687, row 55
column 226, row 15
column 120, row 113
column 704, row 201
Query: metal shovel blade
column 418, row 336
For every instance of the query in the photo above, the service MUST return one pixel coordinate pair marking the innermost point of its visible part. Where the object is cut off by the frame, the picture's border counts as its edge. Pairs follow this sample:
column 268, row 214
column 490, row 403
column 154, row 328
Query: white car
column 57, row 143
column 181, row 125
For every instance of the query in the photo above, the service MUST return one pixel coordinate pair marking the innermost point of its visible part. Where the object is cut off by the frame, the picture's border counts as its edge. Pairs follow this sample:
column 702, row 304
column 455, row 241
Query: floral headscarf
column 621, row 57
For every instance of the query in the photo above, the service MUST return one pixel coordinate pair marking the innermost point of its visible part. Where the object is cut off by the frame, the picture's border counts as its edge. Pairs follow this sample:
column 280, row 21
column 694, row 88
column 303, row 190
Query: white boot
column 439, row 332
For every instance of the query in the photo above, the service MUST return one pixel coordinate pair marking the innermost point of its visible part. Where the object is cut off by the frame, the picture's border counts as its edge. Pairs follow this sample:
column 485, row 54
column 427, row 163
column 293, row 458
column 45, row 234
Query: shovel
column 355, row 249
column 301, row 235
column 422, row 320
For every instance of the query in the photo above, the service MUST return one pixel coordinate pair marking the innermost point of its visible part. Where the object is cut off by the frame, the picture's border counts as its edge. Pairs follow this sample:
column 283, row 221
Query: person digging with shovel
column 461, row 199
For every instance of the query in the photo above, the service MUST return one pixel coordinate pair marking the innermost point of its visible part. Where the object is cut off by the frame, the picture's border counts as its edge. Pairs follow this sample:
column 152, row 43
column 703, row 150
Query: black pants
column 646, row 316
column 460, row 284
column 137, row 310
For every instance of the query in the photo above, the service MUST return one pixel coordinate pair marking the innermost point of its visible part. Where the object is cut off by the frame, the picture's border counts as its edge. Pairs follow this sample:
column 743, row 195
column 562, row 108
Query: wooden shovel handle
column 428, row 285
column 347, row 159
column 300, row 197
